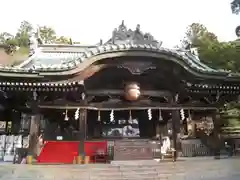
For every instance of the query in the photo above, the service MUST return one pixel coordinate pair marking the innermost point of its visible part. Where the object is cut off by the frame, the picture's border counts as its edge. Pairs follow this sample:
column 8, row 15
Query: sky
column 88, row 21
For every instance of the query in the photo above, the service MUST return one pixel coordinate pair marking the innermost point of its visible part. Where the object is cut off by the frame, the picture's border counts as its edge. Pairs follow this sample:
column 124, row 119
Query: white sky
column 89, row 20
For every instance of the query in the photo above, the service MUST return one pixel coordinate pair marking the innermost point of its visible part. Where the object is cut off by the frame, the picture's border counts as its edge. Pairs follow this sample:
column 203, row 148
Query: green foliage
column 63, row 40
column 216, row 54
column 19, row 56
column 47, row 34
column 24, row 31
column 21, row 39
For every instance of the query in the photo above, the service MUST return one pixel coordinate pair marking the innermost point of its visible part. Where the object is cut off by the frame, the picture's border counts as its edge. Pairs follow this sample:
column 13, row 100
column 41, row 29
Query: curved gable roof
column 69, row 59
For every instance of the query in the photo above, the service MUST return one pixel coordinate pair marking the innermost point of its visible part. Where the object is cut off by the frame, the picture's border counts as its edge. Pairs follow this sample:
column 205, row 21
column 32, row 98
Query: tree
column 235, row 6
column 197, row 34
column 63, row 40
column 4, row 36
column 219, row 55
column 24, row 31
column 9, row 40
column 47, row 34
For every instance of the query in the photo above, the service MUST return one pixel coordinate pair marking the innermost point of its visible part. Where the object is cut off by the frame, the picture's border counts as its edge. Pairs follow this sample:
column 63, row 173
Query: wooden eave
column 92, row 58
column 42, row 86
column 111, row 51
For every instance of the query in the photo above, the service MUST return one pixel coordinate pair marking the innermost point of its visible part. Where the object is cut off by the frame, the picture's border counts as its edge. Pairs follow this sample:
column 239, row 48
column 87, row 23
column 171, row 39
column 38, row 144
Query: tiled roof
column 52, row 60
column 40, row 62
column 53, row 55
column 60, row 58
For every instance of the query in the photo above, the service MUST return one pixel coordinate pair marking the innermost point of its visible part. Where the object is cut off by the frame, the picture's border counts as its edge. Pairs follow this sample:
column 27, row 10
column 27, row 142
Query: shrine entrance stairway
column 185, row 169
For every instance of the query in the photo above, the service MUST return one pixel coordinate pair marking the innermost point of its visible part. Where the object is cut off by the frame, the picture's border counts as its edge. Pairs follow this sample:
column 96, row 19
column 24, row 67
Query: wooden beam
column 100, row 92
column 128, row 107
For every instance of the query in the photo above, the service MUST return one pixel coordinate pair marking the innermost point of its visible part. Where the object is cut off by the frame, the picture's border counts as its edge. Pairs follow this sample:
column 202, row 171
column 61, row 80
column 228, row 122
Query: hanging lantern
column 66, row 116
column 132, row 91
column 160, row 115
column 112, row 116
column 99, row 116
column 149, row 114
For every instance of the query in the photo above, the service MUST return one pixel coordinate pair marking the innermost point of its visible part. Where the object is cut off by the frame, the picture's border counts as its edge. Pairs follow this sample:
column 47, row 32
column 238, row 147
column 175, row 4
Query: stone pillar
column 82, row 131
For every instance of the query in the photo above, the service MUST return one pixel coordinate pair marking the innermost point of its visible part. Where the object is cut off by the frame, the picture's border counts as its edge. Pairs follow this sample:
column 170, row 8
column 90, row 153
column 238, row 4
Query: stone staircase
column 122, row 172
column 184, row 169
column 131, row 171
column 138, row 170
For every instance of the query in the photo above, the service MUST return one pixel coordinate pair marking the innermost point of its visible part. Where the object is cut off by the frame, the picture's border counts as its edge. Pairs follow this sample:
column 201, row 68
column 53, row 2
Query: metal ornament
column 149, row 114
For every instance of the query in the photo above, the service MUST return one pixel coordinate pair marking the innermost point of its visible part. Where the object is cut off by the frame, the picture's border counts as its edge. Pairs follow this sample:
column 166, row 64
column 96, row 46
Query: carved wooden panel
column 132, row 150
column 137, row 67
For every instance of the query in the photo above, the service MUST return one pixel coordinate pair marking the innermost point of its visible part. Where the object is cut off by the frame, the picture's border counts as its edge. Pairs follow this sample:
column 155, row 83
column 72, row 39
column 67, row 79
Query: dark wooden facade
column 82, row 78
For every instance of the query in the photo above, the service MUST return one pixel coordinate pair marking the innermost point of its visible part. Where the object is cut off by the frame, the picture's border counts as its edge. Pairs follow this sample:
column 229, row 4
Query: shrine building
column 114, row 99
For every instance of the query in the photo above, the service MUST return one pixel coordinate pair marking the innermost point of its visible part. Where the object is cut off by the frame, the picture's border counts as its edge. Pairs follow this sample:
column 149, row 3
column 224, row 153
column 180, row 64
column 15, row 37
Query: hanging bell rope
column 99, row 116
column 160, row 115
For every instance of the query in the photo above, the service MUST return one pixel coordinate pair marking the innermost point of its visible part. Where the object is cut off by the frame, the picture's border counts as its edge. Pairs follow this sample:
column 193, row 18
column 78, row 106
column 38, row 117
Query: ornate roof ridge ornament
column 123, row 35
column 34, row 41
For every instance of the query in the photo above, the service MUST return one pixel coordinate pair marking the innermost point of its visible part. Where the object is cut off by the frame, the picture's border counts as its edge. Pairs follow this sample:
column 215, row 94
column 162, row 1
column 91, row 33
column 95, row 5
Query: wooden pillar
column 175, row 131
column 33, row 135
column 34, row 129
column 158, row 129
column 216, row 134
column 82, row 131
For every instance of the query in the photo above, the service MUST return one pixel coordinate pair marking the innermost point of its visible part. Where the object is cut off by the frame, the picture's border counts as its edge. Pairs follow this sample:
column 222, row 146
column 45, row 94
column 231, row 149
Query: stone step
column 135, row 162
column 125, row 178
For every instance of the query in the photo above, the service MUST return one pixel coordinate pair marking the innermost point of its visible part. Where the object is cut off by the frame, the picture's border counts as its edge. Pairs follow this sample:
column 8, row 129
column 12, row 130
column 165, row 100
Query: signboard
column 3, row 126
column 132, row 150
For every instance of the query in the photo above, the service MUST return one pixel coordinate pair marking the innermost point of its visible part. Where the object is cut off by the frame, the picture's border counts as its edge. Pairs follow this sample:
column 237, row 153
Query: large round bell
column 132, row 91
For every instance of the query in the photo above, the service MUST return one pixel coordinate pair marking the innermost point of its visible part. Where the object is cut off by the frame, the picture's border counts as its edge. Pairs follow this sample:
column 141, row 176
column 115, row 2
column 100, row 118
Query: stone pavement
column 187, row 169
